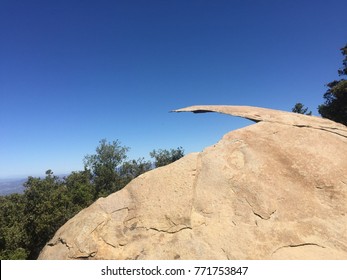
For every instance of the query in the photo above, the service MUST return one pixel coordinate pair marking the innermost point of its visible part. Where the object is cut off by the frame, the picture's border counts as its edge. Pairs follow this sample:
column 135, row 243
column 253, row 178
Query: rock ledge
column 273, row 190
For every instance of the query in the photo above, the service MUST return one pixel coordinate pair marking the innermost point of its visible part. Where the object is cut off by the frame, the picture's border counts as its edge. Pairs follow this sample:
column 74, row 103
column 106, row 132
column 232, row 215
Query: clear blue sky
column 74, row 72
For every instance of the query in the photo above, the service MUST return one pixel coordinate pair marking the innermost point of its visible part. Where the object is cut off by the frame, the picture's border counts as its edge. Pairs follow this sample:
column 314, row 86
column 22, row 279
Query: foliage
column 164, row 157
column 300, row 109
column 343, row 70
column 133, row 168
column 104, row 167
column 335, row 105
column 50, row 202
column 81, row 190
column 13, row 238
column 29, row 220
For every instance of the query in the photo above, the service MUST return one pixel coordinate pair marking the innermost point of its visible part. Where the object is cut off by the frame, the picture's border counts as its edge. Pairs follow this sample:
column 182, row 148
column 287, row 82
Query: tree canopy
column 164, row 157
column 29, row 220
column 300, row 109
column 335, row 104
column 104, row 166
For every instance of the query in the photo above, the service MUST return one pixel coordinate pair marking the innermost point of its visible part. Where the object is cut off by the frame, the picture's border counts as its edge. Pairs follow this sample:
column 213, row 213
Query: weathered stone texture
column 273, row 190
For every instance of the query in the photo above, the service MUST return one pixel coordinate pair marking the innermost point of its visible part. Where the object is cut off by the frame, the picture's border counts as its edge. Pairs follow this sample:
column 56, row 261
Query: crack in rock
column 101, row 223
column 109, row 243
column 268, row 217
column 298, row 245
column 120, row 209
column 324, row 187
column 226, row 254
column 59, row 241
column 82, row 256
column 170, row 220
column 322, row 128
column 168, row 230
column 86, row 257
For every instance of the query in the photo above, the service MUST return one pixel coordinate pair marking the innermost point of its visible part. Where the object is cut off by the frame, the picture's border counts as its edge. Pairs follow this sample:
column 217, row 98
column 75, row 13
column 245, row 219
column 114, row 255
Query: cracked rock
column 273, row 190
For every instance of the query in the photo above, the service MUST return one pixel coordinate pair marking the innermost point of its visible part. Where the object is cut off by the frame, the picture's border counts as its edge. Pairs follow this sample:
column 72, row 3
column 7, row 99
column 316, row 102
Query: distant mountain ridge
column 16, row 185
column 10, row 186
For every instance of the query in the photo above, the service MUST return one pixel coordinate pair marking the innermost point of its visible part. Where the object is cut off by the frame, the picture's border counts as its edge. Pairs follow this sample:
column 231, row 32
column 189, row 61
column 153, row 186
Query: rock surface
column 273, row 190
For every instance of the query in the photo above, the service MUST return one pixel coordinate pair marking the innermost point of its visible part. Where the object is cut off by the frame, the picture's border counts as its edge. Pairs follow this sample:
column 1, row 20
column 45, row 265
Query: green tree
column 50, row 203
column 29, row 220
column 47, row 207
column 133, row 168
column 343, row 70
column 104, row 167
column 13, row 238
column 165, row 157
column 300, row 109
column 335, row 104
column 80, row 189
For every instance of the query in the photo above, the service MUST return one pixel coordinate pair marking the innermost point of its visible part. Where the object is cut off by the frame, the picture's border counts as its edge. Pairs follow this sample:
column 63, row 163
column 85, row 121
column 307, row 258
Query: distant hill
column 10, row 186
column 15, row 185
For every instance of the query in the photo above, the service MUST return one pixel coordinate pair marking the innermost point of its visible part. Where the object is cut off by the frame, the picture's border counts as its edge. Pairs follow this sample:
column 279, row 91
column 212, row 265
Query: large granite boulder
column 273, row 190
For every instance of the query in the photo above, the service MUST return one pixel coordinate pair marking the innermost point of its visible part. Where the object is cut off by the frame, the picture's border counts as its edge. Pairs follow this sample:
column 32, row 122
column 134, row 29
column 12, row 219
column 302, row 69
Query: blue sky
column 75, row 72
